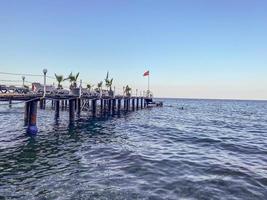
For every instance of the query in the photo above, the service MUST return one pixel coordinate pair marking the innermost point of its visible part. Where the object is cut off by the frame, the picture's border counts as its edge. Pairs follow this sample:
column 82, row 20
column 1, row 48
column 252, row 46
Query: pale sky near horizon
column 193, row 49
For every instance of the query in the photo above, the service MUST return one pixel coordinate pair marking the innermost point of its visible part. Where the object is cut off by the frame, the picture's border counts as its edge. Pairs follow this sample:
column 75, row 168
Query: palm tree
column 89, row 86
column 99, row 86
column 73, row 80
column 109, row 82
column 128, row 91
column 59, row 80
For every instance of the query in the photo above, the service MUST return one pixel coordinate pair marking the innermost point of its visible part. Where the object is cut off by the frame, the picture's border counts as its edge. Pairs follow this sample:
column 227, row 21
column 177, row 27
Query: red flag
column 146, row 73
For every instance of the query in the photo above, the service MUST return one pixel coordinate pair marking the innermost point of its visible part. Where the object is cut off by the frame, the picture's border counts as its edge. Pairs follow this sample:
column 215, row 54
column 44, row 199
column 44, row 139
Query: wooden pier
column 75, row 99
column 93, row 105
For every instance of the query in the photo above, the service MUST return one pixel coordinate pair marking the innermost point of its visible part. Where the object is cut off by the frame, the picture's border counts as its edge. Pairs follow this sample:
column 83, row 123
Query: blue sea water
column 210, row 149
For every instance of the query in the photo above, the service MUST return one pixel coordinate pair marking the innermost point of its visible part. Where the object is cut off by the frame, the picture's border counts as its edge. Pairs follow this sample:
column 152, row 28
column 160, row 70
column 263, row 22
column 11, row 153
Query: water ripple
column 210, row 149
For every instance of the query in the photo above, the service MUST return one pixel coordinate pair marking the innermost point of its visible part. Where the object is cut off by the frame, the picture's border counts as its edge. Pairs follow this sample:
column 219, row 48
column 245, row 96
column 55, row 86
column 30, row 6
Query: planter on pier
column 75, row 91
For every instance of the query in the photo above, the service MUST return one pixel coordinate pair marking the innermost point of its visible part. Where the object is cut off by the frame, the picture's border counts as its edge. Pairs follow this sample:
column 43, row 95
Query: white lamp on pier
column 45, row 72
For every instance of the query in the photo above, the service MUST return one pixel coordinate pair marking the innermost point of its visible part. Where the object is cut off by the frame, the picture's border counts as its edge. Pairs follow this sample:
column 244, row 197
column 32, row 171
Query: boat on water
column 150, row 102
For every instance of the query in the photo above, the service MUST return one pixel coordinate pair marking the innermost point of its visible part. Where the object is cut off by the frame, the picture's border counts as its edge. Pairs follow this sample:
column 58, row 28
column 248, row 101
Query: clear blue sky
column 200, row 49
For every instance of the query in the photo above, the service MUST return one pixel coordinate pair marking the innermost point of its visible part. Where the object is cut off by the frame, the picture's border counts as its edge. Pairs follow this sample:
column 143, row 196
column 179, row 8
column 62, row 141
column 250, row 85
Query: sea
column 188, row 149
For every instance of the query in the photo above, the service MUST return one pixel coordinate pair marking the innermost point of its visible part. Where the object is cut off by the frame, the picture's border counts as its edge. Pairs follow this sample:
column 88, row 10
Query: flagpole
column 148, row 85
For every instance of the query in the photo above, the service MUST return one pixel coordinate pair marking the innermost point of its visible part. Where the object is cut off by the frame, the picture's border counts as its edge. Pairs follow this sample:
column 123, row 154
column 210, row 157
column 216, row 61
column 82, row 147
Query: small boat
column 151, row 103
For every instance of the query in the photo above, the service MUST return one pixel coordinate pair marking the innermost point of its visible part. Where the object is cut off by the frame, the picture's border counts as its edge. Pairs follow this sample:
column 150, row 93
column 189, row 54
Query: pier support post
column 137, row 103
column 66, row 104
column 71, row 110
column 75, row 104
column 142, row 101
column 44, row 103
column 41, row 104
column 105, row 106
column 124, row 104
column 128, row 104
column 10, row 103
column 32, row 128
column 62, row 104
column 119, row 106
column 133, row 104
column 26, row 113
column 109, row 106
column 79, row 106
column 57, row 108
column 52, row 104
column 113, row 106
column 94, row 107
column 101, row 105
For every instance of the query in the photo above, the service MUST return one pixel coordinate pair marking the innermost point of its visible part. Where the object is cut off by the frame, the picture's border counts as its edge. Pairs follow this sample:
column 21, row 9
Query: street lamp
column 45, row 72
column 23, row 80
column 80, row 89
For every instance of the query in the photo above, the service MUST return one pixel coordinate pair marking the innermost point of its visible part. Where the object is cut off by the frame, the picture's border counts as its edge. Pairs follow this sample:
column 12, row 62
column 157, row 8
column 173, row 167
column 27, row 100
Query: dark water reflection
column 208, row 150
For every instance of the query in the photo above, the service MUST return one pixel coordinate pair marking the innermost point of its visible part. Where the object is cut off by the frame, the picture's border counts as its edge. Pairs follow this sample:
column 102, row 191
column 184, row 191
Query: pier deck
column 96, row 105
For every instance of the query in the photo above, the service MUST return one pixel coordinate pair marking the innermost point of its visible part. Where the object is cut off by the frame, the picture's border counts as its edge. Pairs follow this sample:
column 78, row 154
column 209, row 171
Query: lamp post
column 23, row 81
column 45, row 72
column 80, row 92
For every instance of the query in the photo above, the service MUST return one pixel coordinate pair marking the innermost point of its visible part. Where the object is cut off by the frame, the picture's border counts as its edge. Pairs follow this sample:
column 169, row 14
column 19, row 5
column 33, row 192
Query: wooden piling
column 127, row 104
column 119, row 106
column 109, row 106
column 62, row 104
column 41, row 104
column 26, row 113
column 105, row 106
column 57, row 108
column 66, row 104
column 113, row 106
column 32, row 128
column 10, row 103
column 124, row 103
column 44, row 103
column 79, row 106
column 71, row 110
column 137, row 103
column 101, row 105
column 133, row 104
column 94, row 107
column 75, row 104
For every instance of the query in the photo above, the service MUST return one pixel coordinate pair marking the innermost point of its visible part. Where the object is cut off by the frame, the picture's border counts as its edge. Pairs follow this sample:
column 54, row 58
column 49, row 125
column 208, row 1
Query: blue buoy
column 32, row 130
